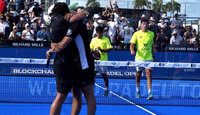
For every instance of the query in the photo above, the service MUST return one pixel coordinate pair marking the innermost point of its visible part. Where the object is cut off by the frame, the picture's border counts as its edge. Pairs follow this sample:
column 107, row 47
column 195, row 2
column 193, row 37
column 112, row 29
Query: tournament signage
column 180, row 48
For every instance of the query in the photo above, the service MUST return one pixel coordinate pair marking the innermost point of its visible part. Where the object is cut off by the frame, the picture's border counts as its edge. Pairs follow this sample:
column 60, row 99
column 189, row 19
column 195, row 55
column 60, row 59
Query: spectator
column 42, row 34
column 95, row 24
column 194, row 39
column 3, row 7
column 176, row 38
column 15, row 35
column 187, row 35
column 122, row 23
column 144, row 16
column 162, row 39
column 153, row 27
column 36, row 10
column 105, row 14
column 113, row 30
column 20, row 5
column 128, row 33
column 162, row 23
column 176, row 23
column 28, row 34
column 21, row 24
column 3, row 27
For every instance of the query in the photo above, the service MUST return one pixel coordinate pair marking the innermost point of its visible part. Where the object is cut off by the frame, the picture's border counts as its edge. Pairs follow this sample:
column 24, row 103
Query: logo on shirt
column 69, row 32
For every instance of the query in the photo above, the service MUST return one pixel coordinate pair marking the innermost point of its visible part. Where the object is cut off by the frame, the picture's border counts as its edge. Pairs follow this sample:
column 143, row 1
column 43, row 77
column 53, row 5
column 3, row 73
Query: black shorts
column 68, row 76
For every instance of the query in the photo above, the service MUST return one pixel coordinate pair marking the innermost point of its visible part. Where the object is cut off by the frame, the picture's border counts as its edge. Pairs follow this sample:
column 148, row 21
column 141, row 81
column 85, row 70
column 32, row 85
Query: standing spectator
column 15, row 35
column 176, row 38
column 153, row 27
column 36, row 10
column 102, row 44
column 3, row 7
column 128, row 33
column 3, row 27
column 113, row 30
column 42, row 34
column 28, row 33
column 176, row 23
column 144, row 40
column 96, row 17
column 20, row 5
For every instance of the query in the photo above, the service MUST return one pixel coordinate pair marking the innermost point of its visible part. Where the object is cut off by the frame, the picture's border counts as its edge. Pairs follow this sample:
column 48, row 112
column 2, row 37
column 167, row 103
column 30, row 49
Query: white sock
column 137, row 89
column 149, row 91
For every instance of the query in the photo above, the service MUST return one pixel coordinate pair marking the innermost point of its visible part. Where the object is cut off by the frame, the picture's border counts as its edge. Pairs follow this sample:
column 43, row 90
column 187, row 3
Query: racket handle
column 48, row 60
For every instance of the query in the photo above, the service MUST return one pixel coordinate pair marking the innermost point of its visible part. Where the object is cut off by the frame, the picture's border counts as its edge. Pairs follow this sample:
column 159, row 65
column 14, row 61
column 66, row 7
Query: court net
column 29, row 81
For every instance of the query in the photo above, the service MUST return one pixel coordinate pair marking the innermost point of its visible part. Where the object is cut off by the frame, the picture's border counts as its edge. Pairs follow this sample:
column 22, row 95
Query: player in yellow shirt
column 102, row 44
column 144, row 40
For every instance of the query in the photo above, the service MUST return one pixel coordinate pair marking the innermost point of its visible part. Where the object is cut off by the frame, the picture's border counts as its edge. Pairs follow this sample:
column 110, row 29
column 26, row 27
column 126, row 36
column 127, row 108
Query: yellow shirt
column 144, row 42
column 103, row 43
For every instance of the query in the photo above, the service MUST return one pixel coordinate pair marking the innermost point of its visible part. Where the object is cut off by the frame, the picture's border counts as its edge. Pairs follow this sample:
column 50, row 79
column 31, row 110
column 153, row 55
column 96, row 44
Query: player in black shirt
column 73, row 64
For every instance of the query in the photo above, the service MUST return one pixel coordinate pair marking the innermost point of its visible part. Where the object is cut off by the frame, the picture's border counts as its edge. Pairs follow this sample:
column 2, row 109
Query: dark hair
column 144, row 20
column 99, row 29
column 60, row 8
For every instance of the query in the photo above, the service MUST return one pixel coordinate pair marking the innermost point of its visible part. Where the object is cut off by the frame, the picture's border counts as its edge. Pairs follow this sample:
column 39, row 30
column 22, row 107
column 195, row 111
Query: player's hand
column 48, row 53
column 55, row 47
column 99, row 48
column 132, row 52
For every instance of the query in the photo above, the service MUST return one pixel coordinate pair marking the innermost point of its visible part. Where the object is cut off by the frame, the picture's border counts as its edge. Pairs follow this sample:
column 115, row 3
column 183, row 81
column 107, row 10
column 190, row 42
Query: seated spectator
column 42, row 34
column 21, row 24
column 15, row 35
column 176, row 38
column 162, row 39
column 187, row 35
column 162, row 23
column 194, row 39
column 28, row 34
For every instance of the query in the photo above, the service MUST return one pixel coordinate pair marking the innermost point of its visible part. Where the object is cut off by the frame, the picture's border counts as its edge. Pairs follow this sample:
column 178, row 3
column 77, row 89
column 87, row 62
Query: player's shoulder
column 150, row 32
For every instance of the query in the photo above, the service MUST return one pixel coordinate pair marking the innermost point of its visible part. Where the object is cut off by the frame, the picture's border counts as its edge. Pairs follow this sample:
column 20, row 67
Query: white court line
column 127, row 100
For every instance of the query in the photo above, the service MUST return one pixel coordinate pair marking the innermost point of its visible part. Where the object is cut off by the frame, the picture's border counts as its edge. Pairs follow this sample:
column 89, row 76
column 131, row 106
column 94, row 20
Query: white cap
column 175, row 32
column 122, row 18
column 21, row 19
column 114, row 2
column 26, row 24
column 100, row 21
column 14, row 27
column 143, row 16
column 96, row 16
column 43, row 26
column 152, row 19
column 164, row 16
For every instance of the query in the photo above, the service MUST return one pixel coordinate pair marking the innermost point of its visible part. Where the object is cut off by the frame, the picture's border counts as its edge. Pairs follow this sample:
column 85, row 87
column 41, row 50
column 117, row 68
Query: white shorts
column 142, row 61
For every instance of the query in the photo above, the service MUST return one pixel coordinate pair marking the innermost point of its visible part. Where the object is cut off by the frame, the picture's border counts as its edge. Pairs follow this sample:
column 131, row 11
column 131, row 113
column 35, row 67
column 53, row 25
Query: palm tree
column 176, row 6
column 92, row 3
column 141, row 4
column 157, row 5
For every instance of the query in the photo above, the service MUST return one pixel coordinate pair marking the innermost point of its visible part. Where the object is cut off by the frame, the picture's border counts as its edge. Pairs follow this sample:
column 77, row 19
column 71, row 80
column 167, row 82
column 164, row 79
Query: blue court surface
column 34, row 95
